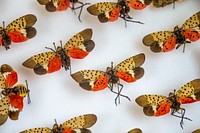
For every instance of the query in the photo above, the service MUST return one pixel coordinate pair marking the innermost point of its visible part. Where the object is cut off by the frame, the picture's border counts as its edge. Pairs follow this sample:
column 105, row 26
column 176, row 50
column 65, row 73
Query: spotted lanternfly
column 128, row 70
column 77, row 47
column 11, row 104
column 165, row 41
column 111, row 11
column 135, row 130
column 196, row 131
column 19, row 30
column 158, row 105
column 75, row 125
column 61, row 5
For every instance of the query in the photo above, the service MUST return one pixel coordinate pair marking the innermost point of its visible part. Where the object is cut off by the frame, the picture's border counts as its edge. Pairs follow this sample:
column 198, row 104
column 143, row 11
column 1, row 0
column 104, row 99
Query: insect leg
column 119, row 93
column 182, row 116
column 81, row 6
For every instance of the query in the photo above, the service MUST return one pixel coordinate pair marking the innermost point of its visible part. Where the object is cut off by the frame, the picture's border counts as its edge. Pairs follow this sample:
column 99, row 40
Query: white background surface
column 58, row 96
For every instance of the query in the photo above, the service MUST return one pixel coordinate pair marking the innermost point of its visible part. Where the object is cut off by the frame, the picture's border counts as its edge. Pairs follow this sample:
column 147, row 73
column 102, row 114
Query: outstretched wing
column 190, row 92
column 4, row 109
column 129, row 70
column 37, row 130
column 162, row 41
column 80, row 44
column 154, row 105
column 21, row 29
column 91, row 79
column 191, row 27
column 8, row 77
column 79, row 122
column 106, row 11
column 55, row 5
column 43, row 63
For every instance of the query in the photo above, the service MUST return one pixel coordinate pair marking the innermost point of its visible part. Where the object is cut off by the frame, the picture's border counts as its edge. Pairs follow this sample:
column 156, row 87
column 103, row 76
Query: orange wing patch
column 169, row 45
column 63, row 5
column 8, row 76
column 54, row 65
column 137, row 4
column 114, row 14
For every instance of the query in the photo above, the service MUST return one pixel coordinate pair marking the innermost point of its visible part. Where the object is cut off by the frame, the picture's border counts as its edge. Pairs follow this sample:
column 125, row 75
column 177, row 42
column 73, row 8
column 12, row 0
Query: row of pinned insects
column 106, row 11
column 11, row 103
column 21, row 30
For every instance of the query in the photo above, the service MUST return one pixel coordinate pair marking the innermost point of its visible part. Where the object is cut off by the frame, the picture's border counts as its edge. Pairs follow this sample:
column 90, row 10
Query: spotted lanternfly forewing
column 78, row 47
column 135, row 130
column 75, row 125
column 19, row 30
column 128, row 70
column 165, row 41
column 196, row 131
column 11, row 104
column 111, row 11
column 61, row 5
column 158, row 105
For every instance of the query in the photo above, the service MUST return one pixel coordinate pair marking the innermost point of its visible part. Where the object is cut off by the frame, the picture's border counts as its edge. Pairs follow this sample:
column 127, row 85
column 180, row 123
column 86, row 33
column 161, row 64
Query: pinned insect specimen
column 75, row 125
column 111, row 11
column 128, row 70
column 158, row 105
column 11, row 104
column 135, row 130
column 77, row 47
column 165, row 41
column 61, row 5
column 19, row 30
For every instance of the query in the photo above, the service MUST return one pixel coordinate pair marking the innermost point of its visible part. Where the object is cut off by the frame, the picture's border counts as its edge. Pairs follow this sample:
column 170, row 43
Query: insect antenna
column 3, row 24
column 51, row 48
column 55, row 121
column 182, row 116
column 112, row 65
column 61, row 44
column 28, row 91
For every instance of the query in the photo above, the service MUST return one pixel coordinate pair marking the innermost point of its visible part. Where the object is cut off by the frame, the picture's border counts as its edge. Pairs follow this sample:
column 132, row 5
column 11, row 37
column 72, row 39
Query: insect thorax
column 65, row 59
column 124, row 8
column 113, row 79
column 175, row 105
column 180, row 38
column 6, row 41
